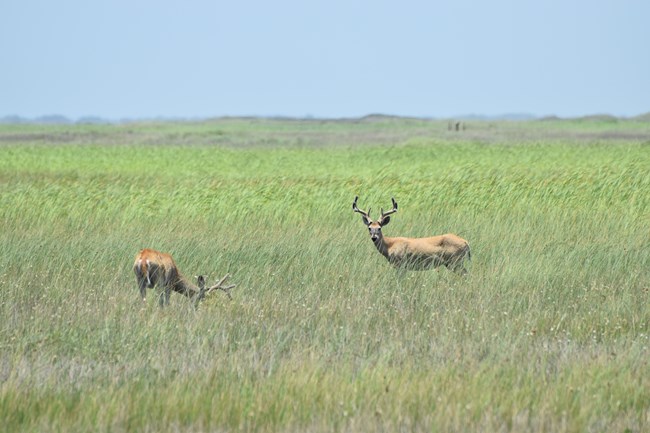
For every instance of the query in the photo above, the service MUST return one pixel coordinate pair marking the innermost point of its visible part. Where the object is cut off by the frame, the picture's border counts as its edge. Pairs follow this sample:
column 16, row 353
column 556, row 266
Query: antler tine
column 218, row 286
column 226, row 290
column 392, row 211
column 356, row 209
column 220, row 282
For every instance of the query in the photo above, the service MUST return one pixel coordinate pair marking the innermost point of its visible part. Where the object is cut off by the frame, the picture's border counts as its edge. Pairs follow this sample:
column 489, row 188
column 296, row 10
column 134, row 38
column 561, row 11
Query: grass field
column 550, row 330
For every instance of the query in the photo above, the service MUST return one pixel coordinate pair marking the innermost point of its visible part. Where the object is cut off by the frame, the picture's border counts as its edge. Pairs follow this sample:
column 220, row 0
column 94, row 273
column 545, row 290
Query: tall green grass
column 548, row 332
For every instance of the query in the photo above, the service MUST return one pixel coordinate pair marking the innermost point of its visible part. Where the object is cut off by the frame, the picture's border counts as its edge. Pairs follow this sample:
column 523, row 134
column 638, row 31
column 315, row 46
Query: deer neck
column 382, row 244
column 186, row 288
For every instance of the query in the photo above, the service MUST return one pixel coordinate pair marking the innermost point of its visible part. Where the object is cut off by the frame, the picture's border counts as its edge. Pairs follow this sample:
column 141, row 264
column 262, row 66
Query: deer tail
column 142, row 269
column 148, row 272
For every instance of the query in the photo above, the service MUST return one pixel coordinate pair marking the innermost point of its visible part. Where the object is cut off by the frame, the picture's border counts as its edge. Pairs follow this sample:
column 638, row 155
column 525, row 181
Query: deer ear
column 385, row 221
column 365, row 219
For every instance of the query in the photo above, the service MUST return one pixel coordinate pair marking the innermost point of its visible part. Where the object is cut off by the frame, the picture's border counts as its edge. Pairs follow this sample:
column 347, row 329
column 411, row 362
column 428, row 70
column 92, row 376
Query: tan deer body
column 153, row 268
column 416, row 253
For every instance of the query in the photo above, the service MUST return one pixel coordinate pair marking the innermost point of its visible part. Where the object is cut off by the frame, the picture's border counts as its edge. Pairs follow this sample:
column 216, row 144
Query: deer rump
column 151, row 274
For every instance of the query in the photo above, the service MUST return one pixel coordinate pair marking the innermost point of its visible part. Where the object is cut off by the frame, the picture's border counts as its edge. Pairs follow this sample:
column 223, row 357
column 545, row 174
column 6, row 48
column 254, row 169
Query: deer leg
column 142, row 285
column 457, row 267
column 460, row 270
column 164, row 296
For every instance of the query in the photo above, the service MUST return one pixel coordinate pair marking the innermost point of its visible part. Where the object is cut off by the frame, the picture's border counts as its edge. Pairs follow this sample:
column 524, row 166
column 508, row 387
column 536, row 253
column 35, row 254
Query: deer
column 153, row 268
column 447, row 250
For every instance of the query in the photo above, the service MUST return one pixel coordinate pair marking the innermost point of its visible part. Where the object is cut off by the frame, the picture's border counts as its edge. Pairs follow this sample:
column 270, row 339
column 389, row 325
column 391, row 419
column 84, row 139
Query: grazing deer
column 416, row 253
column 153, row 268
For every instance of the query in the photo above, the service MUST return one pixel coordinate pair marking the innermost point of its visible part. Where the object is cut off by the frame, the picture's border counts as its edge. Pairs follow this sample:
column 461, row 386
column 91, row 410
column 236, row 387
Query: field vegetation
column 549, row 331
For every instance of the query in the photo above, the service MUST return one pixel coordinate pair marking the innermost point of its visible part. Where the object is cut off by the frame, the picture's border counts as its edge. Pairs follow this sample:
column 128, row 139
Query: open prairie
column 549, row 331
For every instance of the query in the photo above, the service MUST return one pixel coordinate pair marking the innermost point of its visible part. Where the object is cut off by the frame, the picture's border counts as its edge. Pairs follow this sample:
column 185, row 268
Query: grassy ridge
column 549, row 331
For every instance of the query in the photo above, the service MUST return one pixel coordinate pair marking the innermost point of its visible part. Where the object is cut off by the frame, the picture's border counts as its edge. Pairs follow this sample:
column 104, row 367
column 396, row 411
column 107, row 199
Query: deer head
column 374, row 227
column 203, row 290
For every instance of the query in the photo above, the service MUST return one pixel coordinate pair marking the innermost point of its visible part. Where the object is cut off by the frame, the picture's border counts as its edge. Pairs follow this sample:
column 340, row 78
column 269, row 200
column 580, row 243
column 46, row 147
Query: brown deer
column 416, row 253
column 153, row 268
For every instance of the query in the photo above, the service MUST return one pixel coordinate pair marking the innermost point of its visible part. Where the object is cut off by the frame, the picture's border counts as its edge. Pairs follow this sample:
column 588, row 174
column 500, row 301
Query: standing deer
column 153, row 268
column 416, row 253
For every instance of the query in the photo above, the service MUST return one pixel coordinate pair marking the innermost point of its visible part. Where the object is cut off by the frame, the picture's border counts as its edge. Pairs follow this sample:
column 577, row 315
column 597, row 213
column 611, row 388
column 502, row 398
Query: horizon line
column 513, row 116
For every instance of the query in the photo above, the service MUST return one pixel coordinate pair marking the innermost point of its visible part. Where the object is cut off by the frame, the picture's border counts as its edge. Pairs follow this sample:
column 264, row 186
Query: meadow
column 549, row 331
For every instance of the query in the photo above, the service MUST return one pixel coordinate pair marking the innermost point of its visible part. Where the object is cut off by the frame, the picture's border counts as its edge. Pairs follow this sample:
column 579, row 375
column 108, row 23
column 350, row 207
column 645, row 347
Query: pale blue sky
column 198, row 58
